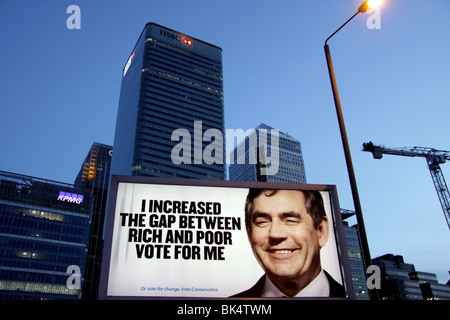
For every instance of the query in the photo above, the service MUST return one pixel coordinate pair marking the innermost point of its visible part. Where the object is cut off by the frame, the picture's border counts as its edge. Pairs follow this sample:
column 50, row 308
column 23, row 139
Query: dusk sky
column 60, row 89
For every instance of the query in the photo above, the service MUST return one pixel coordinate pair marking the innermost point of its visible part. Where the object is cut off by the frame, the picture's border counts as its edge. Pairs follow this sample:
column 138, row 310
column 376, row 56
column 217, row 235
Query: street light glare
column 374, row 3
column 369, row 4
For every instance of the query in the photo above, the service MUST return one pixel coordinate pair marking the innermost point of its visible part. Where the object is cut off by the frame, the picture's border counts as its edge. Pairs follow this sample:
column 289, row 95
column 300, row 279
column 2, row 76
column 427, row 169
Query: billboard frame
column 115, row 180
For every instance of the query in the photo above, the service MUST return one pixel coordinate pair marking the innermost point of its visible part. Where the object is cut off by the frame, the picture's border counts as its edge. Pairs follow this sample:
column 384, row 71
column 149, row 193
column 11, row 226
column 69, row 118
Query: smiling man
column 286, row 230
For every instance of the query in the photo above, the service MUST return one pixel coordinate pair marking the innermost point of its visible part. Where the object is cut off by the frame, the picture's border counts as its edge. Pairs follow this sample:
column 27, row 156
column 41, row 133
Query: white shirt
column 319, row 287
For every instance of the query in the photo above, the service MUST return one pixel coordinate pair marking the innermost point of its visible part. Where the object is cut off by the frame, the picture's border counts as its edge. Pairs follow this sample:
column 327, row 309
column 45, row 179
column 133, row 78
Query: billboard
column 185, row 238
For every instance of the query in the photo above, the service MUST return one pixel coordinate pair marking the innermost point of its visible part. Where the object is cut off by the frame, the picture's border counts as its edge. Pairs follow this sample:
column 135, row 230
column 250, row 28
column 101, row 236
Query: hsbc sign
column 176, row 37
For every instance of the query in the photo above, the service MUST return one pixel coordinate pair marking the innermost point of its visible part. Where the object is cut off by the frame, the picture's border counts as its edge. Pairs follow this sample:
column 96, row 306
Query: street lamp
column 368, row 4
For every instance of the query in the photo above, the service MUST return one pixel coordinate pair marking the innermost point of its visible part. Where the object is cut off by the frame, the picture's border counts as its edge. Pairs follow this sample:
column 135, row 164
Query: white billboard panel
column 188, row 238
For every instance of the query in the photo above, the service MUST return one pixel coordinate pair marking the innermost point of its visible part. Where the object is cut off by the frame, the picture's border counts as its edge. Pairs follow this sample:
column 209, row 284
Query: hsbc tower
column 170, row 81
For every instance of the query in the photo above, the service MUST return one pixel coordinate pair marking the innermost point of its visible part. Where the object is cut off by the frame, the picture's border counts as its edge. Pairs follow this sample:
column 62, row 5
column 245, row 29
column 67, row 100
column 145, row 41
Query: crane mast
column 433, row 157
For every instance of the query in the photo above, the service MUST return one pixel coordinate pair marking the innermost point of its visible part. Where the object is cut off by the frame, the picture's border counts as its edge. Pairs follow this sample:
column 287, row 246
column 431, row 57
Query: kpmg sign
column 70, row 197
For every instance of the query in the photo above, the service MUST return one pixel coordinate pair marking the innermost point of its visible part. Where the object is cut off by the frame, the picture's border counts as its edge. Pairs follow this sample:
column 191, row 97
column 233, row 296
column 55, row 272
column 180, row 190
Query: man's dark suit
column 336, row 289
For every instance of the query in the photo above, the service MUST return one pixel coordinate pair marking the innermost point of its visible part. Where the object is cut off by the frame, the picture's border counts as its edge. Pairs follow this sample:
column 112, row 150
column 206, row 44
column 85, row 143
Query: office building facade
column 355, row 257
column 171, row 84
column 95, row 169
column 44, row 235
column 94, row 174
column 401, row 281
column 251, row 157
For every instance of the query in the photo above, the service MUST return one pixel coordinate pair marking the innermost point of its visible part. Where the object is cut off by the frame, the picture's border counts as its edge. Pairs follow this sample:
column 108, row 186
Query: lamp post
column 362, row 231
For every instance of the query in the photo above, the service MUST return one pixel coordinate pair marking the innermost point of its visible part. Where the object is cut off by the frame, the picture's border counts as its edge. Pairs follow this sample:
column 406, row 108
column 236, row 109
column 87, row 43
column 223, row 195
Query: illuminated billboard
column 192, row 238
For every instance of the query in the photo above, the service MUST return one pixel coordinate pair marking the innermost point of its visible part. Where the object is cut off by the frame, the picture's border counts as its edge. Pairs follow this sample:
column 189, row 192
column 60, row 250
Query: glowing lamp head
column 369, row 4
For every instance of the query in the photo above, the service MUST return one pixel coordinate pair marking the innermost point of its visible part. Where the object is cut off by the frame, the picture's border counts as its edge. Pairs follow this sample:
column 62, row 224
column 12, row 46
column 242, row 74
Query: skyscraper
column 355, row 257
column 170, row 82
column 94, row 174
column 285, row 155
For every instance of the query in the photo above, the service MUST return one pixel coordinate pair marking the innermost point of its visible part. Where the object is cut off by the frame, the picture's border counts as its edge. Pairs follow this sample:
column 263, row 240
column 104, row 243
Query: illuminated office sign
column 128, row 63
column 176, row 37
column 187, row 41
column 70, row 197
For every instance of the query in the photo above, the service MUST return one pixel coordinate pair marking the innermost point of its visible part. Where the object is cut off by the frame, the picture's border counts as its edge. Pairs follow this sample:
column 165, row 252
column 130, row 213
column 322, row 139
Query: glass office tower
column 246, row 165
column 95, row 170
column 171, row 81
column 355, row 257
column 94, row 174
column 44, row 230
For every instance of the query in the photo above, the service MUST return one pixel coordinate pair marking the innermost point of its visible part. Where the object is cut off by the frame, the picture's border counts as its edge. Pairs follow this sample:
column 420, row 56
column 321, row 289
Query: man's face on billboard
column 283, row 237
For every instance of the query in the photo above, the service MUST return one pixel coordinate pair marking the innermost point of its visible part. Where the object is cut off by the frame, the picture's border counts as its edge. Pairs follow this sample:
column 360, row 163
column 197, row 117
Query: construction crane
column 434, row 159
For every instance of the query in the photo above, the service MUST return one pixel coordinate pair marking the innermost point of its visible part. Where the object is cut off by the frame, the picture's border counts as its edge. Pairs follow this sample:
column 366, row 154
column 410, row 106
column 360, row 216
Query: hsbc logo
column 70, row 197
column 176, row 37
